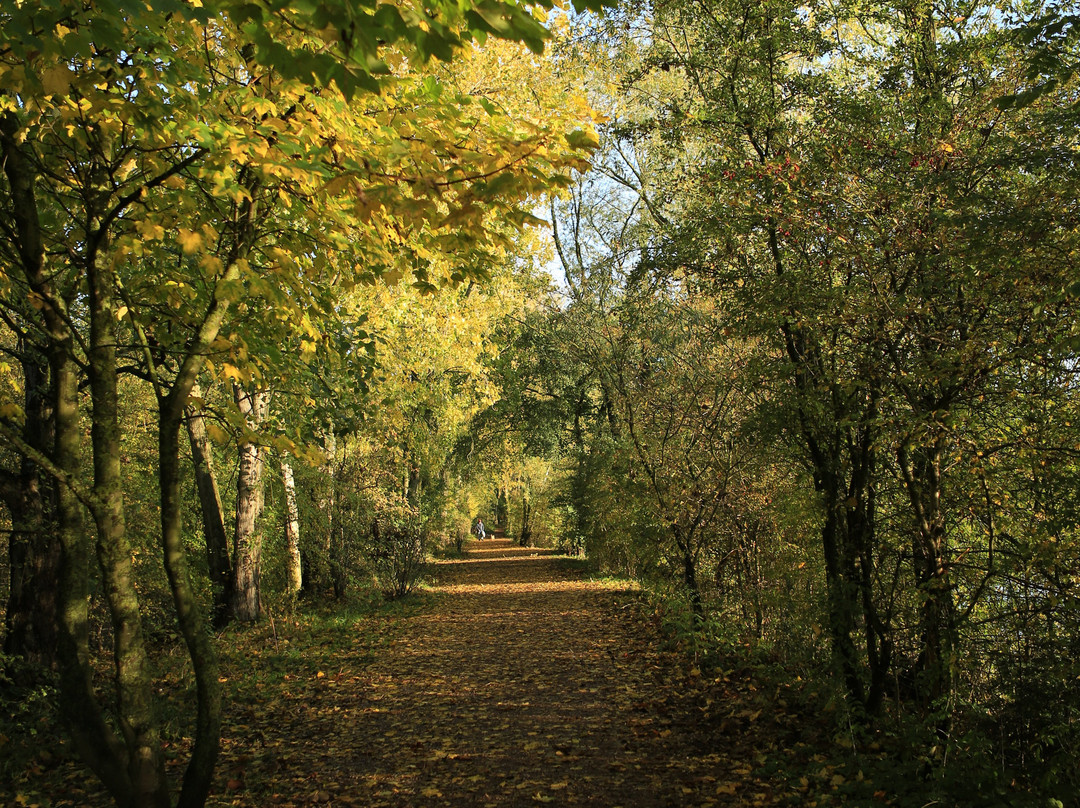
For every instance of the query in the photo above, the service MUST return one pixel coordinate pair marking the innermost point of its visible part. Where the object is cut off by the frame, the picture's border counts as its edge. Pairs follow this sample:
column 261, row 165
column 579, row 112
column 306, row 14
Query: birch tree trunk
column 294, row 579
column 247, row 541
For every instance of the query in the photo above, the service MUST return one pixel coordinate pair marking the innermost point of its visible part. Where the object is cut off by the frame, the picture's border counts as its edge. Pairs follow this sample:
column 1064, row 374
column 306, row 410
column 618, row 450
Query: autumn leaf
column 190, row 240
column 56, row 80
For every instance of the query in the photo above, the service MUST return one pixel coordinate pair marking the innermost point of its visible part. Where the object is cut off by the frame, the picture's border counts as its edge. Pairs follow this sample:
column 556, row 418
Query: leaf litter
column 517, row 682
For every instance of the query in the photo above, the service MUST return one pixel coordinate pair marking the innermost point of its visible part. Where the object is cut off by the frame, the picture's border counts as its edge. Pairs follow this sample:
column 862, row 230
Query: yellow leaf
column 56, row 80
column 125, row 170
column 232, row 372
column 11, row 411
column 337, row 185
column 211, row 265
column 216, row 433
column 151, row 230
column 190, row 241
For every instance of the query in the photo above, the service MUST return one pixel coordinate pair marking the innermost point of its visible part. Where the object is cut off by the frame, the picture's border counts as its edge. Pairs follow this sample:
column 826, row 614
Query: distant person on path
column 480, row 534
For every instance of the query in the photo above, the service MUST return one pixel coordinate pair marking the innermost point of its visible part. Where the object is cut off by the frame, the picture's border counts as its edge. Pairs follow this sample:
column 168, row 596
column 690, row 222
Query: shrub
column 399, row 551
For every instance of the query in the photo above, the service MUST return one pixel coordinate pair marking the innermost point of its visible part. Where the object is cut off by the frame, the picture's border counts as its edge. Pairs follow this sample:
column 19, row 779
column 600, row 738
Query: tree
column 854, row 194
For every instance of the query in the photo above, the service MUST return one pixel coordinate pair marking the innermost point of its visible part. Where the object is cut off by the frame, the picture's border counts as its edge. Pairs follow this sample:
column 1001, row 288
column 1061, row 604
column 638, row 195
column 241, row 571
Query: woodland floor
column 518, row 682
column 526, row 684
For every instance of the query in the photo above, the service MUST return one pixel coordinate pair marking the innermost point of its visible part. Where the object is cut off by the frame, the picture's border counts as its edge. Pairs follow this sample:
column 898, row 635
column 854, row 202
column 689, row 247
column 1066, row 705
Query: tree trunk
column 921, row 470
column 293, row 572
column 133, row 770
column 213, row 519
column 338, row 568
column 34, row 552
column 502, row 510
column 134, row 693
column 247, row 541
column 34, row 562
column 684, row 543
column 525, row 540
column 842, row 594
column 315, row 564
column 413, row 485
column 131, row 766
column 199, row 772
column 335, row 522
column 845, row 468
column 94, row 739
column 751, row 560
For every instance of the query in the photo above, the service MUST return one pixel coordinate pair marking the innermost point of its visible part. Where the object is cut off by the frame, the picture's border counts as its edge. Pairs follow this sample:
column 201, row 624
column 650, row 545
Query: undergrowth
column 825, row 755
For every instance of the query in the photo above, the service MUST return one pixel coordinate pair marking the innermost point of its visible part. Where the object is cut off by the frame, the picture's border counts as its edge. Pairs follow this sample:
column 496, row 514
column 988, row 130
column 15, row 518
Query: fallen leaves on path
column 522, row 683
column 525, row 684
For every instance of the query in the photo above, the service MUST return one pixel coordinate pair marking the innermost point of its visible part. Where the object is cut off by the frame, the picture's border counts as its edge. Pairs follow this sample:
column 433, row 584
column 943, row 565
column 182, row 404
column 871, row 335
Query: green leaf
column 597, row 6
column 580, row 139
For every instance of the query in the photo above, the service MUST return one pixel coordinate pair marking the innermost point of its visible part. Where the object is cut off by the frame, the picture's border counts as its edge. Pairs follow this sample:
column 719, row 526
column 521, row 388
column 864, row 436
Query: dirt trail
column 527, row 685
column 520, row 683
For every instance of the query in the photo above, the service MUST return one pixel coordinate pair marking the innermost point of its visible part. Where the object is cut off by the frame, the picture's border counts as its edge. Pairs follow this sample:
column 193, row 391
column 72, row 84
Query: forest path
column 526, row 684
